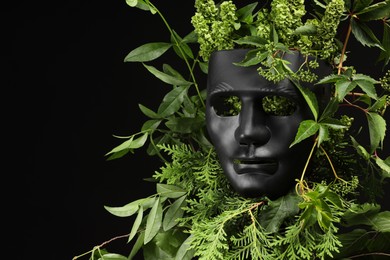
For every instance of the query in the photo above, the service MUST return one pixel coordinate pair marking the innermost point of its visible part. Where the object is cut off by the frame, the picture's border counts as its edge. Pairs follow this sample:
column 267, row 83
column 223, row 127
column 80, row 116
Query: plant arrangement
column 332, row 212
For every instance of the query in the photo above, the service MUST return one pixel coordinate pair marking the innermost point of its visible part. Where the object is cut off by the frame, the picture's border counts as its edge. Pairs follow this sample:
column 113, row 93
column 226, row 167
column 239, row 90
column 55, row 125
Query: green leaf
column 138, row 4
column 132, row 3
column 385, row 53
column 360, row 214
column 377, row 130
column 324, row 218
column 381, row 221
column 111, row 256
column 171, row 71
column 364, row 77
column 147, row 52
column 185, row 125
column 137, row 245
column 136, row 224
column 167, row 78
column 252, row 57
column 353, row 242
column 174, row 212
column 332, row 123
column 384, row 165
column 130, row 144
column 343, row 87
column 360, row 149
column 379, row 242
column 204, row 66
column 246, row 11
column 124, row 211
column 273, row 36
column 323, row 134
column 334, row 199
column 366, row 83
column 148, row 112
column 180, row 47
column 164, row 245
column 278, row 210
column 150, row 125
column 331, row 79
column 379, row 104
column 309, row 215
column 364, row 34
column 172, row 101
column 306, row 29
column 377, row 11
column 184, row 252
column 170, row 191
column 330, row 109
column 191, row 37
column 306, row 129
column 119, row 154
column 252, row 40
column 310, row 99
column 153, row 222
column 360, row 5
column 131, row 208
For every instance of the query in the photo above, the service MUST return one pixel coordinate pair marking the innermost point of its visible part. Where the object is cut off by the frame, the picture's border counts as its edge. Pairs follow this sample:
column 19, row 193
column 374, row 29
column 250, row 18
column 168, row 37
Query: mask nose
column 252, row 129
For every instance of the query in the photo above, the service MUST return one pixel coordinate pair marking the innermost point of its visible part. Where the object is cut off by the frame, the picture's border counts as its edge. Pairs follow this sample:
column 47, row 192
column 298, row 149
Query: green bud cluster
column 345, row 188
column 385, row 81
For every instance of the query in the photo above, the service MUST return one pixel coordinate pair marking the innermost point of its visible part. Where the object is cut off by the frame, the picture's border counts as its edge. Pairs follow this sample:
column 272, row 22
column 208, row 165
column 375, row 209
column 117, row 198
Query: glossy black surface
column 253, row 145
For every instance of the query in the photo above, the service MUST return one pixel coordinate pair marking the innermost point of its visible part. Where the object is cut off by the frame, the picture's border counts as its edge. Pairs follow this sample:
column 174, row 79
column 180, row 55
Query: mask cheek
column 221, row 130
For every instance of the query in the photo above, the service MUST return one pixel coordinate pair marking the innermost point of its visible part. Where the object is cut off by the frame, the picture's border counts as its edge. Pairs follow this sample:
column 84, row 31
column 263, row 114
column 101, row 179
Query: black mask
column 252, row 144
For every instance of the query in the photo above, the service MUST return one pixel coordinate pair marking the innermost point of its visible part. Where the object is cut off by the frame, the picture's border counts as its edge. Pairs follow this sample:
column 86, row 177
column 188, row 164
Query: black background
column 67, row 91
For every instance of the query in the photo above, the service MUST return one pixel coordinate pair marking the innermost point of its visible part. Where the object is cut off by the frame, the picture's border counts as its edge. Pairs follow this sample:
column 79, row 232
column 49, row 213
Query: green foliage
column 332, row 213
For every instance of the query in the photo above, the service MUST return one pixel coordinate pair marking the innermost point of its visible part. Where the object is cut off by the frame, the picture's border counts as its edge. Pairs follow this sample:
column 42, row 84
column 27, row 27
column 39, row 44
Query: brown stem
column 340, row 66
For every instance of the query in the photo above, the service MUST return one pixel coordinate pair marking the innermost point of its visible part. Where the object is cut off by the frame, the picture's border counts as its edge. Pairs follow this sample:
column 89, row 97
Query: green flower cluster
column 219, row 27
column 263, row 29
column 287, row 15
column 327, row 29
column 214, row 26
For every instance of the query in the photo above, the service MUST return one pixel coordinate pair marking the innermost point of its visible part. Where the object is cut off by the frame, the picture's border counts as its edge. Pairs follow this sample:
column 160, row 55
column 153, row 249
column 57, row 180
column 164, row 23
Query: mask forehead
column 227, row 77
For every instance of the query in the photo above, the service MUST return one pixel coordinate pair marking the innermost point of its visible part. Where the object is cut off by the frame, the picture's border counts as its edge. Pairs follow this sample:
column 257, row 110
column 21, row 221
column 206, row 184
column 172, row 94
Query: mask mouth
column 256, row 165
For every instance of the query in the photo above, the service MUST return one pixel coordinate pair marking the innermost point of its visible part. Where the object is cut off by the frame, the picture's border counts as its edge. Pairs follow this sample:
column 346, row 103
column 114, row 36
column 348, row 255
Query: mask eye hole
column 226, row 105
column 278, row 105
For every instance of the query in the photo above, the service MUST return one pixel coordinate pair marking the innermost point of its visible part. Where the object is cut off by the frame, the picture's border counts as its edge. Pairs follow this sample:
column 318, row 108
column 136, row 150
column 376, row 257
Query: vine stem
column 353, row 105
column 181, row 51
column 340, row 66
column 101, row 245
column 308, row 159
column 368, row 254
column 331, row 165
